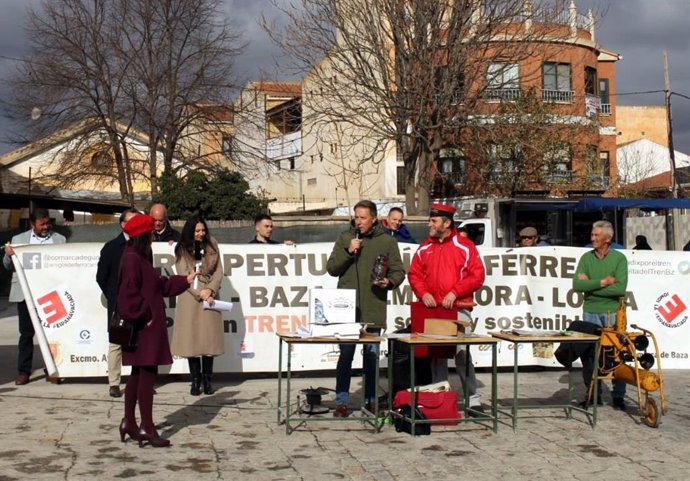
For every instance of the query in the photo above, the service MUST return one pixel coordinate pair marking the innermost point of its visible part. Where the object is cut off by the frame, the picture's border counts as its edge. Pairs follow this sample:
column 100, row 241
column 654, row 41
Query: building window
column 400, row 179
column 102, row 159
column 557, row 166
column 227, row 146
column 604, row 164
column 504, row 161
column 604, row 90
column 605, row 105
column 451, row 164
column 591, row 81
column 443, row 86
column 503, row 81
column 311, row 181
column 292, row 163
column 557, row 82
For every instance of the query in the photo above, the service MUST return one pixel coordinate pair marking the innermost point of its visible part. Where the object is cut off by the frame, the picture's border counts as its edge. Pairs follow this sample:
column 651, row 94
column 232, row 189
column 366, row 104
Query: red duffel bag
column 434, row 405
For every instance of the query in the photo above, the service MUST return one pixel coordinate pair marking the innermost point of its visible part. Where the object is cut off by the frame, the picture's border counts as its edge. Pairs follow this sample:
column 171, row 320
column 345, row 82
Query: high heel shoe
column 152, row 438
column 126, row 430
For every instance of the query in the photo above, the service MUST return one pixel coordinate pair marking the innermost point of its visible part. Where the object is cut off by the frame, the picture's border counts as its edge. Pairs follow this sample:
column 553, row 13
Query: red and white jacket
column 452, row 265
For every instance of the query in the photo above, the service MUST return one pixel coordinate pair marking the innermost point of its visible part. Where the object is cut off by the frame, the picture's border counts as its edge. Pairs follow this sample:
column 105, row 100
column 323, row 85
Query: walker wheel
column 651, row 414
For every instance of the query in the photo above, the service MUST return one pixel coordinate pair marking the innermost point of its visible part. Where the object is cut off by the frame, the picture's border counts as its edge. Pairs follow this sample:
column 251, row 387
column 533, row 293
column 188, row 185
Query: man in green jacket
column 602, row 275
column 352, row 261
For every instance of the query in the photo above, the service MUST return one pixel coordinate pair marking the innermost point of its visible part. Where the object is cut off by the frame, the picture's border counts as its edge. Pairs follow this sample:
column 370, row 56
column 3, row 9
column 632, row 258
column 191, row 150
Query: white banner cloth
column 528, row 288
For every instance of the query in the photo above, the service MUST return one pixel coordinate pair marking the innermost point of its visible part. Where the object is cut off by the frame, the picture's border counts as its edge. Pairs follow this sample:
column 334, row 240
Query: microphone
column 198, row 254
column 357, row 234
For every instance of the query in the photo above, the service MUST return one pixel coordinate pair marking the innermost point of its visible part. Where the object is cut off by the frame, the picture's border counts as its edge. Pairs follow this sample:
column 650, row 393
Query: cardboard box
column 332, row 306
column 419, row 314
column 445, row 327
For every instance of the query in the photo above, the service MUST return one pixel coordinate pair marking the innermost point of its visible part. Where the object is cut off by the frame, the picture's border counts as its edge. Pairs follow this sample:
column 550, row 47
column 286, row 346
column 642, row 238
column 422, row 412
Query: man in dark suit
column 108, row 276
column 39, row 234
column 163, row 230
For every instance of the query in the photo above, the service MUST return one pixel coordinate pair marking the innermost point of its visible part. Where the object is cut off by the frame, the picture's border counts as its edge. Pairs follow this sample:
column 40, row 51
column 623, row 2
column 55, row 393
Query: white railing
column 503, row 94
column 558, row 96
column 285, row 146
column 605, row 109
column 558, row 177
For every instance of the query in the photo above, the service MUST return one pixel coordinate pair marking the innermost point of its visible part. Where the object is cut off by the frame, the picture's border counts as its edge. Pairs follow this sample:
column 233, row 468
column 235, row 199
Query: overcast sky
column 637, row 29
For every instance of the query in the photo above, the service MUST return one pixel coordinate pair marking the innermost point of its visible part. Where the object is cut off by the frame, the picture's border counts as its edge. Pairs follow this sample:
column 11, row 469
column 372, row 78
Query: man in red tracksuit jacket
column 447, row 269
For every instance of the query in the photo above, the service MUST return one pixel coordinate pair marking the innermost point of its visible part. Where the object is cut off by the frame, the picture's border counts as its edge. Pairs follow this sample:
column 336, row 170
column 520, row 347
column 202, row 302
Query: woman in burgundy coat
column 140, row 301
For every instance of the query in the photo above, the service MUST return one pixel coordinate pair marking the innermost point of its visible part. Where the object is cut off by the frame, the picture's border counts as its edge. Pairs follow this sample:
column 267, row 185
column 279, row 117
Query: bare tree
column 528, row 147
column 129, row 65
column 407, row 71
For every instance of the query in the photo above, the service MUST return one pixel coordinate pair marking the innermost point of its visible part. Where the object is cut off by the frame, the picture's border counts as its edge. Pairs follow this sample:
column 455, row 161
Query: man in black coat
column 163, row 230
column 108, row 276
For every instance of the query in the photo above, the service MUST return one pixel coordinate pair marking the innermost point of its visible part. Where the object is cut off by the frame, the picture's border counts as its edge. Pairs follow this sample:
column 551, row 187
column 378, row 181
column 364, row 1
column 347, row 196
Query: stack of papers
column 534, row 332
column 338, row 330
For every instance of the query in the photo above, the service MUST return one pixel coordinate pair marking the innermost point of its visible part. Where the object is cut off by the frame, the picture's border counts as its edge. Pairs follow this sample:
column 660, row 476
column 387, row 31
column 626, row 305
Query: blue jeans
column 343, row 370
column 603, row 320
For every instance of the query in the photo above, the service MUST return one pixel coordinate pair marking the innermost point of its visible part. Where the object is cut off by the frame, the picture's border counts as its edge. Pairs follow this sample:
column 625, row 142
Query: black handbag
column 122, row 332
column 402, row 421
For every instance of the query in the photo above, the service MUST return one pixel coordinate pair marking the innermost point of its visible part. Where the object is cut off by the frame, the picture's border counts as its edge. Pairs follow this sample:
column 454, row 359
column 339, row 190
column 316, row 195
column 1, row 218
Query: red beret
column 139, row 224
column 441, row 210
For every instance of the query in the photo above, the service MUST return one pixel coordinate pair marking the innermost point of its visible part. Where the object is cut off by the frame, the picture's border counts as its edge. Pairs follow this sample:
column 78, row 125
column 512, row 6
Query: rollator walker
column 623, row 356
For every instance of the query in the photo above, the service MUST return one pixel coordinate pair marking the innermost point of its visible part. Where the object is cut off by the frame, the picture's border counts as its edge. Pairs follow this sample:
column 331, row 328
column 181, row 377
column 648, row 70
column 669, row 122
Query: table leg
column 515, row 386
column 595, row 374
column 465, row 387
column 280, row 376
column 391, row 343
column 569, row 409
column 413, row 393
column 287, row 394
column 377, row 351
column 494, row 386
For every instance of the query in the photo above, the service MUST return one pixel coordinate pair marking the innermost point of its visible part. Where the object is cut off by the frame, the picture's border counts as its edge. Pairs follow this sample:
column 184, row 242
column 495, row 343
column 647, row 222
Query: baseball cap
column 528, row 232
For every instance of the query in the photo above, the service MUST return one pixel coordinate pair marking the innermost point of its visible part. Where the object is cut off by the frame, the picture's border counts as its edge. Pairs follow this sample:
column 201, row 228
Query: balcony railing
column 558, row 177
column 503, row 94
column 454, row 177
column 605, row 109
column 558, row 96
column 285, row 146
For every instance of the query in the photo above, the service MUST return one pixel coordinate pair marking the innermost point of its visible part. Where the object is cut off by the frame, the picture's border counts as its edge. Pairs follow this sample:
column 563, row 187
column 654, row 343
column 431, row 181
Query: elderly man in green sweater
column 602, row 275
column 352, row 261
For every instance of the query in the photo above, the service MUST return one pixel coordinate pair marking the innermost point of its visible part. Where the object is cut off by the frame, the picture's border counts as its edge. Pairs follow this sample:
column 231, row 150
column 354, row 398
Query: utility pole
column 669, row 127
column 674, row 220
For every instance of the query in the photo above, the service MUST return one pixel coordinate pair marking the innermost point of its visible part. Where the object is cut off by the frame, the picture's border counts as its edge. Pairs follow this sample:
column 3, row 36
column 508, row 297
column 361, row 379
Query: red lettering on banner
column 53, row 308
column 278, row 323
column 672, row 309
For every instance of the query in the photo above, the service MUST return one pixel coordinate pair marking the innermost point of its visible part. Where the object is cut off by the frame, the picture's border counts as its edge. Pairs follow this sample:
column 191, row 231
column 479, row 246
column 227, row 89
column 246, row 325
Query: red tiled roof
column 278, row 89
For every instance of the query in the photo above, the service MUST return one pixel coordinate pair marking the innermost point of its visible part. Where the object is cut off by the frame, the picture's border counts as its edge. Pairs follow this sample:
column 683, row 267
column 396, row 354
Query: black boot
column 207, row 363
column 195, row 371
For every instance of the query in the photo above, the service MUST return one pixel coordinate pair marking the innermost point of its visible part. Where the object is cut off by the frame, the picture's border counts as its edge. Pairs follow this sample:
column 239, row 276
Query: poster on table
column 528, row 288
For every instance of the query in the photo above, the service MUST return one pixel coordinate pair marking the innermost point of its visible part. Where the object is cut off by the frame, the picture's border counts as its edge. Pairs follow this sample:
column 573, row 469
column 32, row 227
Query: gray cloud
column 638, row 29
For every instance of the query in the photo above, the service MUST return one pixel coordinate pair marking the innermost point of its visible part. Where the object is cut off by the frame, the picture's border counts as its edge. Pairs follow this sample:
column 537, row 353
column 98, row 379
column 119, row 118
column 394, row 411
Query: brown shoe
column 340, row 411
column 21, row 379
column 114, row 391
column 52, row 379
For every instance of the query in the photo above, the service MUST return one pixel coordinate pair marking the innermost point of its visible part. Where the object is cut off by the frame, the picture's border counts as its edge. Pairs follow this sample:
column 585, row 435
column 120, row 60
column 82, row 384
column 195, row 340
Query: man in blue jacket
column 393, row 225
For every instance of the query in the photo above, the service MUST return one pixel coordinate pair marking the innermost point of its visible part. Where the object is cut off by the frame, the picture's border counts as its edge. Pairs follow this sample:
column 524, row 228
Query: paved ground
column 69, row 431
